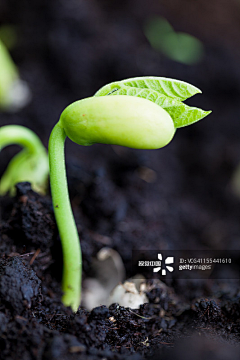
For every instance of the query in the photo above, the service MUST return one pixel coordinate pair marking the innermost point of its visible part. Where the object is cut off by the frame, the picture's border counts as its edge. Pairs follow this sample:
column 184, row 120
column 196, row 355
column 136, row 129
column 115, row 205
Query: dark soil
column 66, row 50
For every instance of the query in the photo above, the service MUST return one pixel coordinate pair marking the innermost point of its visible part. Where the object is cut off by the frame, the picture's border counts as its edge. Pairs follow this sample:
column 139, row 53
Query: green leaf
column 178, row 46
column 181, row 113
column 189, row 116
column 172, row 88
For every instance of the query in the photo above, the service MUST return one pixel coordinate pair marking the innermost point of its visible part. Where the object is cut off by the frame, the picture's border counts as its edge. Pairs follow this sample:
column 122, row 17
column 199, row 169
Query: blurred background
column 177, row 197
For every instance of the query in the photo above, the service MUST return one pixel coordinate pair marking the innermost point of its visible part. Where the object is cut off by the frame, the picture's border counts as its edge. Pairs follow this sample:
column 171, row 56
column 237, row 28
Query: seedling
column 30, row 164
column 14, row 93
column 178, row 46
column 145, row 118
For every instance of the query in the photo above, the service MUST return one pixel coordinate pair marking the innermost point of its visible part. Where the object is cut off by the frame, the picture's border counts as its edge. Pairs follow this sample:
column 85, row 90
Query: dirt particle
column 19, row 284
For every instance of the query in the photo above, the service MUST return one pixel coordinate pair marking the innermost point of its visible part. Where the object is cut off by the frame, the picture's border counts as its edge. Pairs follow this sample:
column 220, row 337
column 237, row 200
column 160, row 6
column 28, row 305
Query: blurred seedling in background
column 140, row 113
column 178, row 46
column 30, row 164
column 14, row 92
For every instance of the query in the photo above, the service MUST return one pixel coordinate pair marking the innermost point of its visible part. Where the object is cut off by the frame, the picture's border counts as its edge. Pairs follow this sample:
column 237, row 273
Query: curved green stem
column 30, row 164
column 20, row 135
column 72, row 259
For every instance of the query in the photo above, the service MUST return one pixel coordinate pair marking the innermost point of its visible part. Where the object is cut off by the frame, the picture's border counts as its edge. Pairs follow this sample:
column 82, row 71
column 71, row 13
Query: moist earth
column 179, row 197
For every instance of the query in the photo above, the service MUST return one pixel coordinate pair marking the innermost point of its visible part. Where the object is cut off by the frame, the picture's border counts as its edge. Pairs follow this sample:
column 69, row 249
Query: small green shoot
column 30, row 164
column 143, row 114
column 14, row 93
column 178, row 46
